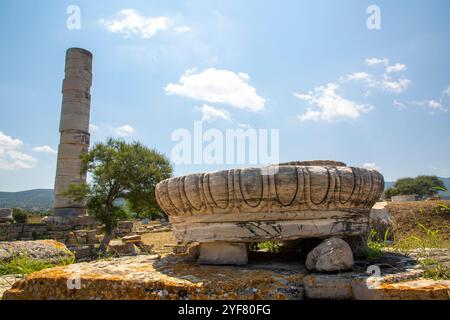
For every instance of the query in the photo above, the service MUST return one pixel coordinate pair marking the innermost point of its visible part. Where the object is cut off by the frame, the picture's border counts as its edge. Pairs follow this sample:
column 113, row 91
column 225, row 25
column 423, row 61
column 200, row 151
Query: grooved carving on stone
column 321, row 198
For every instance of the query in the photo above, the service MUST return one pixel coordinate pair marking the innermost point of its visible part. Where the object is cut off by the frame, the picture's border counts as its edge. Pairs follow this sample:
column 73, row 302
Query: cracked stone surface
column 266, row 276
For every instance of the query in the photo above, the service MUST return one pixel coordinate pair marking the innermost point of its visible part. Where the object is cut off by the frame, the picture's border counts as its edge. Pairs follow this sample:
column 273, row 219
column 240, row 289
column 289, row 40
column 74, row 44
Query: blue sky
column 313, row 70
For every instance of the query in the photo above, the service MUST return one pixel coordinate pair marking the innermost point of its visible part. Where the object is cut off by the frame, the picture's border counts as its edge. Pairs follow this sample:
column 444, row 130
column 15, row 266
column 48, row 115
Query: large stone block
column 223, row 253
column 6, row 215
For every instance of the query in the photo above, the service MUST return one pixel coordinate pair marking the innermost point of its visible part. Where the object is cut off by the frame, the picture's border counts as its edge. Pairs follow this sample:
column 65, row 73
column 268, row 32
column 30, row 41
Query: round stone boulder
column 333, row 254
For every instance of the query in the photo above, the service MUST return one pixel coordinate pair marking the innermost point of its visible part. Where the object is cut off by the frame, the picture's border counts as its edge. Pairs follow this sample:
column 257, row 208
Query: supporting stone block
column 223, row 253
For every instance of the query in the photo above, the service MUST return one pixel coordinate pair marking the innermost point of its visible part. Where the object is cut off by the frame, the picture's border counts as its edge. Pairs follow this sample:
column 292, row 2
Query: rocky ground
column 162, row 275
column 267, row 276
column 7, row 281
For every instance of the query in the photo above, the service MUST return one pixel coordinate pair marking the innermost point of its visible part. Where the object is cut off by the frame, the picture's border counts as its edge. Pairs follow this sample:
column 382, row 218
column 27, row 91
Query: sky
column 340, row 80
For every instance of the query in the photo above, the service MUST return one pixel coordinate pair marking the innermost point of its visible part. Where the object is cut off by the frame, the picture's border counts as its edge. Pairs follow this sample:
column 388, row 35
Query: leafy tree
column 120, row 171
column 421, row 185
column 20, row 215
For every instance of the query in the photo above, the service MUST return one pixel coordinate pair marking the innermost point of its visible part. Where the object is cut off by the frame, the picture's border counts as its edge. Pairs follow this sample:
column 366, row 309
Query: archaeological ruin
column 74, row 131
column 226, row 210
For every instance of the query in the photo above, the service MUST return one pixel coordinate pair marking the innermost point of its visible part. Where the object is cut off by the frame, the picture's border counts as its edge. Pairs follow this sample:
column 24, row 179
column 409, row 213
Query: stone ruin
column 217, row 215
column 224, row 211
column 74, row 132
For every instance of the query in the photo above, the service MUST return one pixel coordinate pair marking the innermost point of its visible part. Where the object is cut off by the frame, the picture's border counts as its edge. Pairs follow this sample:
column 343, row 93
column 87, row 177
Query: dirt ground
column 158, row 240
column 408, row 216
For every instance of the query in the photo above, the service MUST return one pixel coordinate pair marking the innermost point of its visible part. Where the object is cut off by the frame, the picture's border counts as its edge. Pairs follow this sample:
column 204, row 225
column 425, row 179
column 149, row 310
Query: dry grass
column 158, row 240
column 409, row 217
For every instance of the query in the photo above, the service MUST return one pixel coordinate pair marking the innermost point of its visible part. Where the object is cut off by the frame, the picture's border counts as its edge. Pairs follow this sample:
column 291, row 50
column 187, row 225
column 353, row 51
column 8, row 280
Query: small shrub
column 20, row 215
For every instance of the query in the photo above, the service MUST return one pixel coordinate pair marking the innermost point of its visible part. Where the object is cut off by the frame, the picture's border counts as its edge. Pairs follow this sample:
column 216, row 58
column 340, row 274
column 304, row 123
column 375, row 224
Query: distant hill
column 389, row 184
column 41, row 199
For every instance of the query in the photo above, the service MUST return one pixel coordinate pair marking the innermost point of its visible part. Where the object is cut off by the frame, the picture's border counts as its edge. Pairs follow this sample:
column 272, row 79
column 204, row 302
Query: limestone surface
column 222, row 253
column 381, row 220
column 332, row 254
column 154, row 278
column 44, row 250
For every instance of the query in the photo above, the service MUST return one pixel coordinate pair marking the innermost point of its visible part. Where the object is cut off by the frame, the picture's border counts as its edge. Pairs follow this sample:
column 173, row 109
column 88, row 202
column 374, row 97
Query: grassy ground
column 24, row 265
column 417, row 226
column 421, row 219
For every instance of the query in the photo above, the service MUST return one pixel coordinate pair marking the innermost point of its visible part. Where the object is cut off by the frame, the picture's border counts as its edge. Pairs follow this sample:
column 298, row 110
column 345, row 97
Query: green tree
column 20, row 215
column 120, row 171
column 421, row 185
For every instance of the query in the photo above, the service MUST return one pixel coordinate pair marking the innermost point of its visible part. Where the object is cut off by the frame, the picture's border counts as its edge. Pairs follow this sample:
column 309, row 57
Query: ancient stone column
column 74, row 131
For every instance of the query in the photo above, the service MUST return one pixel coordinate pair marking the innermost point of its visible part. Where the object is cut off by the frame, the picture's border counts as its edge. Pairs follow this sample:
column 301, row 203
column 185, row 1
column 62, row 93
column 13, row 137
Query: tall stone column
column 74, row 131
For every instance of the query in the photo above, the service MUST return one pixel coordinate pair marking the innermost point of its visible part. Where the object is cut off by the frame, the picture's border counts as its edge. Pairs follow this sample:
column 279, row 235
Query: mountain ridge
column 42, row 199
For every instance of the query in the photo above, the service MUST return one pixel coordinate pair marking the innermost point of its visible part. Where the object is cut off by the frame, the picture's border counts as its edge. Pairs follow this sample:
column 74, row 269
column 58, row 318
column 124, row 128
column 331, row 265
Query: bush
column 20, row 215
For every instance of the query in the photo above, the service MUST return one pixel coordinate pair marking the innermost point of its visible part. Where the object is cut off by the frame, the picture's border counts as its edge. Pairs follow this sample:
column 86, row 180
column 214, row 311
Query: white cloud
column 375, row 61
column 432, row 105
column 211, row 114
column 327, row 105
column 93, row 128
column 398, row 105
column 218, row 86
column 124, row 131
column 131, row 23
column 11, row 156
column 183, row 29
column 397, row 86
column 356, row 76
column 447, row 91
column 398, row 67
column 45, row 149
column 435, row 104
column 371, row 166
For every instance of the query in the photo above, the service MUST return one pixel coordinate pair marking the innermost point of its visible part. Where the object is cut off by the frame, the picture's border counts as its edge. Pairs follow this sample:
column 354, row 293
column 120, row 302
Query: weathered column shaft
column 74, row 130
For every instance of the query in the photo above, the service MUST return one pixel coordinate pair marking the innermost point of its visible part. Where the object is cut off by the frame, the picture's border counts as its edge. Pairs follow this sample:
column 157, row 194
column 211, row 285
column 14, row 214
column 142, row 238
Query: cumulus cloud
column 211, row 114
column 375, row 61
column 356, row 76
column 396, row 86
column 327, row 105
column 432, row 105
column 130, row 23
column 124, row 131
column 45, row 149
column 371, row 166
column 11, row 156
column 218, row 86
column 183, row 29
column 447, row 91
column 398, row 67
